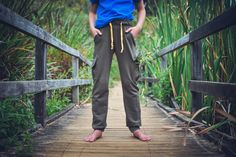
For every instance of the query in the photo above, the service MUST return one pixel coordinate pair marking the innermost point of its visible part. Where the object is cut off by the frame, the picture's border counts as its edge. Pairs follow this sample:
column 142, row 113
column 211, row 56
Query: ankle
column 137, row 132
column 99, row 129
column 133, row 128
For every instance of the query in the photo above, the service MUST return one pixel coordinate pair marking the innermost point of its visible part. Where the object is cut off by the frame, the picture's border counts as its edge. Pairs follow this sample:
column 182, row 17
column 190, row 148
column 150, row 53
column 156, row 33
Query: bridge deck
column 64, row 136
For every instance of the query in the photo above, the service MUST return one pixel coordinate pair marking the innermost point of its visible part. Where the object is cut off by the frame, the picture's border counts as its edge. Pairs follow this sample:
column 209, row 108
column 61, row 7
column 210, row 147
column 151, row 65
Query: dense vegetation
column 170, row 20
column 167, row 21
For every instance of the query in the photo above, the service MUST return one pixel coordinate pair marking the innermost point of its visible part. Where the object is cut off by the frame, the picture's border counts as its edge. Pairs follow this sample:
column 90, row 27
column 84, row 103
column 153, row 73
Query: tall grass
column 168, row 21
column 66, row 20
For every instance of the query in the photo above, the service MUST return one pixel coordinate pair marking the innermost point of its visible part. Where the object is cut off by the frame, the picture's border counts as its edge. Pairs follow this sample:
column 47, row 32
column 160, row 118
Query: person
column 111, row 26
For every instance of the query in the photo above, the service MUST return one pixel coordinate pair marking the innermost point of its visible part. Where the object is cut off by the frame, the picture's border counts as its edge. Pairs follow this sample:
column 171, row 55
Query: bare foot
column 93, row 136
column 142, row 137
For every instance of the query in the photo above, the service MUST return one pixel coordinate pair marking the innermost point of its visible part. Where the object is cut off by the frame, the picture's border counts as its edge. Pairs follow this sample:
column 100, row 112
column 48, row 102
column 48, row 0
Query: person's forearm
column 92, row 15
column 92, row 18
column 141, row 14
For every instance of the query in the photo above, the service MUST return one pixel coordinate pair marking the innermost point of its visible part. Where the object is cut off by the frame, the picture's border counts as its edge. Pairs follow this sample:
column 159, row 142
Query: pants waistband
column 119, row 21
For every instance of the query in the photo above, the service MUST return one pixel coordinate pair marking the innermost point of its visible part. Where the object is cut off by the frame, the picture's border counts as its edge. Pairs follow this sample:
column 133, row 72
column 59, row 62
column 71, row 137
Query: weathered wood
column 23, row 25
column 196, row 74
column 174, row 46
column 217, row 24
column 75, row 71
column 65, row 136
column 175, row 104
column 149, row 79
column 59, row 114
column 163, row 62
column 221, row 89
column 168, row 110
column 40, row 74
column 16, row 88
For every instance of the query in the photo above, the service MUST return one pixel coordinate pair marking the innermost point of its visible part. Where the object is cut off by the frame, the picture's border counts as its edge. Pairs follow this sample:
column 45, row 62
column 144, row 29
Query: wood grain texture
column 174, row 46
column 221, row 89
column 75, row 72
column 196, row 74
column 27, row 27
column 16, row 88
column 149, row 79
column 219, row 23
column 163, row 63
column 40, row 74
column 64, row 136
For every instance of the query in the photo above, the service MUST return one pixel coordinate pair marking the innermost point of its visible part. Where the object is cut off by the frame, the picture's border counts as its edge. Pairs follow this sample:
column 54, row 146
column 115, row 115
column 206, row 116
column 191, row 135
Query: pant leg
column 129, row 71
column 100, row 72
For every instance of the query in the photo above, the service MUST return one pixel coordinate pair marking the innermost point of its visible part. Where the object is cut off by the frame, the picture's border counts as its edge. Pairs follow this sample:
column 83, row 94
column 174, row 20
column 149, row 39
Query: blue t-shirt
column 109, row 10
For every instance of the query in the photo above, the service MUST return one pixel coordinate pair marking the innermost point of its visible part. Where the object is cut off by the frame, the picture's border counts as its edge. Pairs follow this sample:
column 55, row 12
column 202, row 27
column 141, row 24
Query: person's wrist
column 92, row 27
column 139, row 27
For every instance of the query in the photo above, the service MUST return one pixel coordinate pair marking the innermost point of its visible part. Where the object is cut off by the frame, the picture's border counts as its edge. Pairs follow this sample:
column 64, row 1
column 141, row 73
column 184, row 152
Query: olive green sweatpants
column 114, row 39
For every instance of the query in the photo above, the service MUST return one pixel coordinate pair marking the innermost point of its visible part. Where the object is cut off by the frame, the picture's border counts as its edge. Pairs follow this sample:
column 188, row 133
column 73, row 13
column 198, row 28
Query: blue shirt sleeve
column 93, row 1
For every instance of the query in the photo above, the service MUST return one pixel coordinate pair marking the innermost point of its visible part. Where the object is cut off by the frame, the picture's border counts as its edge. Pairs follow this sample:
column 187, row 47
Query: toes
column 142, row 137
column 92, row 139
column 147, row 138
column 87, row 139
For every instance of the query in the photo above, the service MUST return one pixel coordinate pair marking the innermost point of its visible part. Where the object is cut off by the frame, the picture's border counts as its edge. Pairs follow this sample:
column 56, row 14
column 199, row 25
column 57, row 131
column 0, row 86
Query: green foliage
column 57, row 102
column 169, row 21
column 68, row 20
column 16, row 116
column 162, row 89
column 64, row 20
column 172, row 19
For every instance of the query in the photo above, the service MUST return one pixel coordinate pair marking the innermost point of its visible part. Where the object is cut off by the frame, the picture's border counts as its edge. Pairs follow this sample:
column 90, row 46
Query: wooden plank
column 213, row 88
column 174, row 46
column 40, row 74
column 16, row 88
column 75, row 71
column 219, row 23
column 163, row 62
column 65, row 136
column 196, row 74
column 65, row 83
column 25, row 26
column 149, row 79
column 174, row 104
column 59, row 114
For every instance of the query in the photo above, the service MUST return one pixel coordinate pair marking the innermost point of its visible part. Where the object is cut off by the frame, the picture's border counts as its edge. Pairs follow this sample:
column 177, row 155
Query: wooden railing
column 40, row 85
column 196, row 84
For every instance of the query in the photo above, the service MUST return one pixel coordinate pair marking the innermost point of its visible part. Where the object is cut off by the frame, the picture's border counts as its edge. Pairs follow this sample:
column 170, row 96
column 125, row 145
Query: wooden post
column 163, row 63
column 149, row 80
column 40, row 74
column 75, row 70
column 196, row 74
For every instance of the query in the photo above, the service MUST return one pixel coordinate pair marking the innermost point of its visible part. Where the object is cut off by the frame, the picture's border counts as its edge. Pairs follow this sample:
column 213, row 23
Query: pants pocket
column 131, row 45
column 94, row 62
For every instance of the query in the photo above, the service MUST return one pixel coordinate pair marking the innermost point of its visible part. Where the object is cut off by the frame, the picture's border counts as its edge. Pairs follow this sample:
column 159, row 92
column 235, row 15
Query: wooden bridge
column 63, row 136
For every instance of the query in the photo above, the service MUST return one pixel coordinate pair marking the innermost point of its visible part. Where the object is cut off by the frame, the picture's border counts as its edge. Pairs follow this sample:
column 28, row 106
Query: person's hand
column 134, row 31
column 94, row 31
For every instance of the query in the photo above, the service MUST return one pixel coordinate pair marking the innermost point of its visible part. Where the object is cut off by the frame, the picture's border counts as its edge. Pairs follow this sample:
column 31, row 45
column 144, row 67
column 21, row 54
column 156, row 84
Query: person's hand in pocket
column 94, row 31
column 134, row 31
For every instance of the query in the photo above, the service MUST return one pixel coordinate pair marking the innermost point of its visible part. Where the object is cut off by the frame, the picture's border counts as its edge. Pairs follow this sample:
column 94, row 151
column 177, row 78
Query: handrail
column 196, row 85
column 17, row 88
column 219, row 23
column 27, row 27
column 40, row 85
